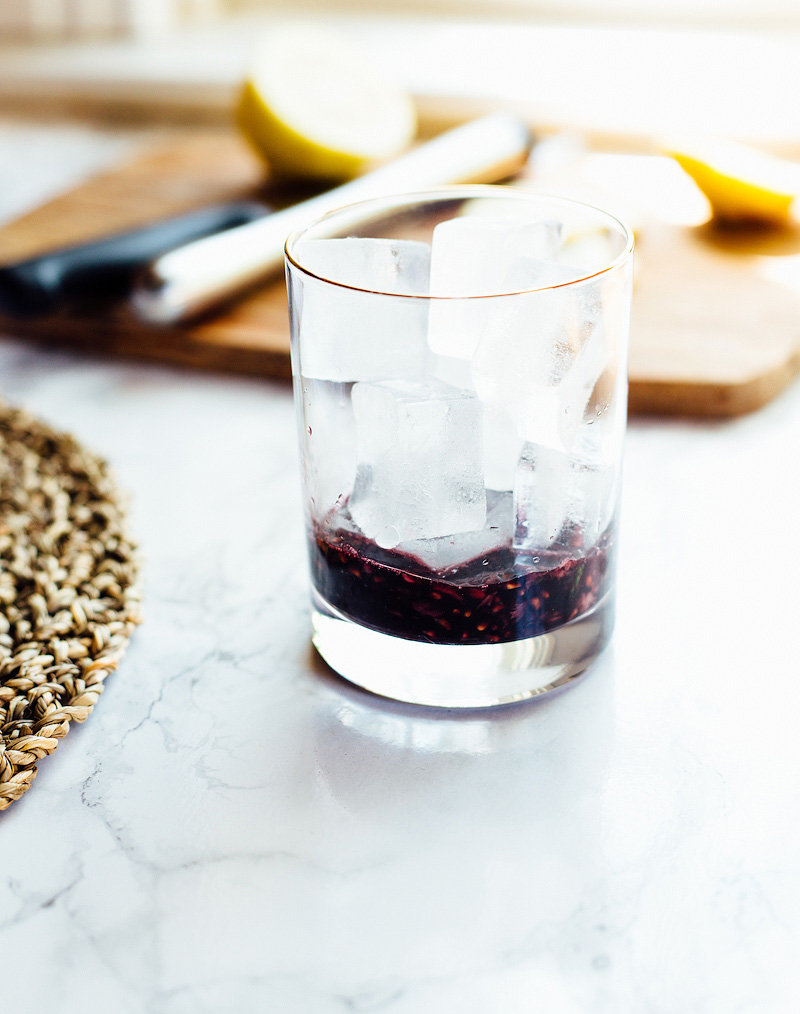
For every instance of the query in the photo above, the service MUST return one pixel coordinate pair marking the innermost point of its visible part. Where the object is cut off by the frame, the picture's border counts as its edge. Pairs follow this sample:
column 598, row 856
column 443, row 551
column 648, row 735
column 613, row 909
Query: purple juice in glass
column 497, row 596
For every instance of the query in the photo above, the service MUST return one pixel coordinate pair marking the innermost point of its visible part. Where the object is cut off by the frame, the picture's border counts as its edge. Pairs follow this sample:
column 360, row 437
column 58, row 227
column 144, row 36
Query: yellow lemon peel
column 740, row 182
column 313, row 107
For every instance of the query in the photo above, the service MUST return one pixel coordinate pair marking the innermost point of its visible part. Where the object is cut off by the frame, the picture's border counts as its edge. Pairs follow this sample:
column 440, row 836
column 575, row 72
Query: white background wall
column 43, row 19
column 58, row 19
column 757, row 14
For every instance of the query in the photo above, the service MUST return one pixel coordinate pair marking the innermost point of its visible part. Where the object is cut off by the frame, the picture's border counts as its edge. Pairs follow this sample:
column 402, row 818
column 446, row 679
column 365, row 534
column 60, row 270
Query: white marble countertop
column 235, row 830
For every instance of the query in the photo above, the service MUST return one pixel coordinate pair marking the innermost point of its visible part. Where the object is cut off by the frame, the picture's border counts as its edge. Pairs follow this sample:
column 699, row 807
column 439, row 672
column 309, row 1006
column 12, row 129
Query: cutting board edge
column 707, row 400
column 701, row 400
column 172, row 351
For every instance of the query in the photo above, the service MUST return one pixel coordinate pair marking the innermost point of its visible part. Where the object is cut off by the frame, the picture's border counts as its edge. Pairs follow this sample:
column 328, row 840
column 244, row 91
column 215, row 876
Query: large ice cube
column 481, row 256
column 502, row 447
column 531, row 273
column 561, row 502
column 605, row 411
column 593, row 494
column 451, row 551
column 455, row 372
column 529, row 345
column 420, row 473
column 575, row 390
column 541, row 498
column 472, row 256
column 399, row 266
column 330, row 440
column 351, row 334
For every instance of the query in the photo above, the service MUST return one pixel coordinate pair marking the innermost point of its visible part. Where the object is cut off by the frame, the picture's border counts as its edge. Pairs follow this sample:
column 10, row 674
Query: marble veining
column 237, row 830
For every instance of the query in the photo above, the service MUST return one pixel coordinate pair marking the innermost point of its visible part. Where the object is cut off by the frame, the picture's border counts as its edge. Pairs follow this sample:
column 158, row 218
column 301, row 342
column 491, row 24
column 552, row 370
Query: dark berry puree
column 494, row 598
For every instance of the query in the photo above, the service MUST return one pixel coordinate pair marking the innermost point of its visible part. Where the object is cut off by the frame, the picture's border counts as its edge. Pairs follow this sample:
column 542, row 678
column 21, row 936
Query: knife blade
column 199, row 276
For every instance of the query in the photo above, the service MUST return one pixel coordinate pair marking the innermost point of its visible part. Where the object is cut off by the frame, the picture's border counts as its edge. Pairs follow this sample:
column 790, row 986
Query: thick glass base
column 460, row 676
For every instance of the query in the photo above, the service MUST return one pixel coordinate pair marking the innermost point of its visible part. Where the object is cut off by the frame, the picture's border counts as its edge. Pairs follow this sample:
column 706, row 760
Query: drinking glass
column 459, row 361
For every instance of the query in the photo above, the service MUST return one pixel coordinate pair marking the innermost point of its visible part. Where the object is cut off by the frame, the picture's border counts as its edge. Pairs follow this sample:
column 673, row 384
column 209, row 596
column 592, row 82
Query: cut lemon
column 313, row 106
column 740, row 182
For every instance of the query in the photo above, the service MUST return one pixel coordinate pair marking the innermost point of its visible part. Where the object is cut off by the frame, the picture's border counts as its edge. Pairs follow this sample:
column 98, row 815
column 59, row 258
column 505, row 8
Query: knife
column 197, row 277
column 105, row 268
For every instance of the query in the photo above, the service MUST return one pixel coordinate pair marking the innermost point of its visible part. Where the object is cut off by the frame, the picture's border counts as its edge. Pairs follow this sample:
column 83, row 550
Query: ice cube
column 420, row 473
column 502, row 447
column 562, row 503
column 527, row 273
column 575, row 390
column 451, row 551
column 455, row 372
column 329, row 437
column 350, row 334
column 472, row 256
column 529, row 345
column 604, row 414
column 398, row 266
column 541, row 498
column 592, row 498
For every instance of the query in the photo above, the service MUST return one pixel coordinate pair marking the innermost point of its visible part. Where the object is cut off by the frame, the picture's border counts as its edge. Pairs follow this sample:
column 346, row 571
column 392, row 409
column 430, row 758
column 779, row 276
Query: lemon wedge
column 740, row 182
column 313, row 106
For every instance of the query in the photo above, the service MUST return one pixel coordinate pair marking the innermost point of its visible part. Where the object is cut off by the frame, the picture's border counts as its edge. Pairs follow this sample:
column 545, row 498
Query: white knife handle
column 196, row 277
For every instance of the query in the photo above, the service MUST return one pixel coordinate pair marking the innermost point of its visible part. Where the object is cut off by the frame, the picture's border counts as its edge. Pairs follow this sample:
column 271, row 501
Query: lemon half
column 740, row 182
column 313, row 106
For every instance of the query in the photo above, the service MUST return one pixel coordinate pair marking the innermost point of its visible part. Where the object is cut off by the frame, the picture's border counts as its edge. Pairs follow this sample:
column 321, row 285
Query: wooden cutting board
column 711, row 335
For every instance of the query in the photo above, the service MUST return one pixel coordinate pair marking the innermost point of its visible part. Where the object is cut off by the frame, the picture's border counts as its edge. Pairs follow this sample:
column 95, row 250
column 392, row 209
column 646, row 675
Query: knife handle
column 199, row 276
column 104, row 268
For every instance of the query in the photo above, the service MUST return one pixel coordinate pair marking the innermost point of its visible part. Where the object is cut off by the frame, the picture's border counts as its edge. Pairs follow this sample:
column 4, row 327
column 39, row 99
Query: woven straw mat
column 69, row 591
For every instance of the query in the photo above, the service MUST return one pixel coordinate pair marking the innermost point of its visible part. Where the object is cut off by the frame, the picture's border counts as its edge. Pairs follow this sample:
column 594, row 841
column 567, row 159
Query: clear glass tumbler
column 459, row 360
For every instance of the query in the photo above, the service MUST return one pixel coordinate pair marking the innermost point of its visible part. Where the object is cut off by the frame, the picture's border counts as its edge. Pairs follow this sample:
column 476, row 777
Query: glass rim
column 460, row 191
